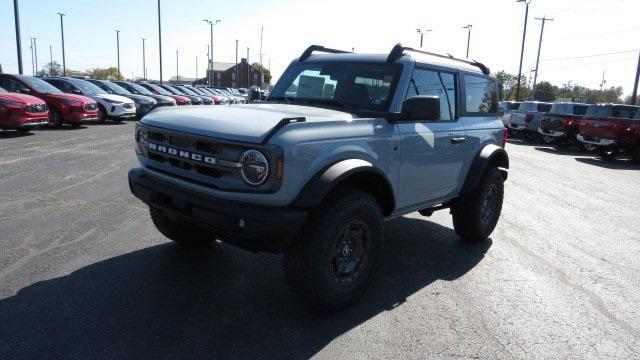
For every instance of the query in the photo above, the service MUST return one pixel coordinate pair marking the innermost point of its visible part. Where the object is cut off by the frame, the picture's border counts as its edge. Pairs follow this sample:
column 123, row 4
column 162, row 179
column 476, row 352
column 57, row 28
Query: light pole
column 144, row 62
column 210, row 66
column 118, row 51
column 50, row 60
column 468, row 27
column 160, row 40
column 16, row 16
column 248, row 69
column 64, row 61
column 422, row 33
column 237, row 84
column 177, row 69
column 524, row 35
column 33, row 65
column 544, row 19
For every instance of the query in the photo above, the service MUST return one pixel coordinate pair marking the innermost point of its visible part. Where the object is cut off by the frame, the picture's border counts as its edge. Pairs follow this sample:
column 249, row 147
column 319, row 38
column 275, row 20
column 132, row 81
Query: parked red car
column 180, row 100
column 612, row 129
column 63, row 108
column 21, row 112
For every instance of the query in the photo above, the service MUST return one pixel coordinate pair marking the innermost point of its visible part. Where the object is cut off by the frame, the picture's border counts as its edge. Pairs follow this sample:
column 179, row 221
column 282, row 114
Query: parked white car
column 110, row 106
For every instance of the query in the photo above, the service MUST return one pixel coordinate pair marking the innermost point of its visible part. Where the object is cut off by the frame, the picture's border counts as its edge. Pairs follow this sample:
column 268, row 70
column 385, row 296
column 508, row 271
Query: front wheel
column 607, row 154
column 101, row 114
column 55, row 118
column 187, row 235
column 476, row 215
column 331, row 262
column 635, row 155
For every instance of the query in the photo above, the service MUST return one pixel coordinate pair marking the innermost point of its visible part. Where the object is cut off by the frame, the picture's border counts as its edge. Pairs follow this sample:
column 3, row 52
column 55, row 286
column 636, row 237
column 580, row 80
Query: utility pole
column 422, row 33
column 16, row 18
column 118, row 51
column 64, row 61
column 33, row 66
column 248, row 70
column 144, row 62
column 50, row 60
column 160, row 40
column 544, row 19
column 634, row 95
column 177, row 69
column 603, row 82
column 237, row 73
column 261, row 33
column 524, row 35
column 196, row 67
column 468, row 27
column 35, row 52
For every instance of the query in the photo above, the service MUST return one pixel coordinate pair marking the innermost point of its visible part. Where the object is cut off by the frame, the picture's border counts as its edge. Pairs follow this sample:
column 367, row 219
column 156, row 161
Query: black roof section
column 305, row 55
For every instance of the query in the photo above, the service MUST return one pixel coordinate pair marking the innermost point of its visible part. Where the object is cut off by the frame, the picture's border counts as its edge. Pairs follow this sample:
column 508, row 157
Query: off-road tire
column 635, row 154
column 561, row 144
column 476, row 214
column 187, row 235
column 314, row 263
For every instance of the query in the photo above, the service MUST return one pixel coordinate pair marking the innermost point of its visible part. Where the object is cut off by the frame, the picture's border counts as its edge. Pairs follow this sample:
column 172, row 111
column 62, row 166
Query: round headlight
column 255, row 167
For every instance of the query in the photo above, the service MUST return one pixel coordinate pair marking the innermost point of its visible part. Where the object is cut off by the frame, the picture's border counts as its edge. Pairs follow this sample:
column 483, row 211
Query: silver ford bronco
column 343, row 143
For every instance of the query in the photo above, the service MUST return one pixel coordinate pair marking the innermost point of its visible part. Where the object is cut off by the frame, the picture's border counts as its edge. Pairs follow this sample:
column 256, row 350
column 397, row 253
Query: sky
column 572, row 47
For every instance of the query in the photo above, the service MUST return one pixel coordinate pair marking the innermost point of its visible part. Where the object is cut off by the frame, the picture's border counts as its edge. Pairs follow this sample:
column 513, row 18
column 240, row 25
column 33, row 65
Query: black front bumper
column 248, row 226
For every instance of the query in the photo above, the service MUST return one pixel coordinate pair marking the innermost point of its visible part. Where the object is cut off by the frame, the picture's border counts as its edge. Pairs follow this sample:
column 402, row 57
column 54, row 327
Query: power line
column 592, row 55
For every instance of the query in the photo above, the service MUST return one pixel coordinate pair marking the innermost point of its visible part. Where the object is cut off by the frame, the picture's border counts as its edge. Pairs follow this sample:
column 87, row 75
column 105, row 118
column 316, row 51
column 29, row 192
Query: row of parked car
column 27, row 101
column 609, row 130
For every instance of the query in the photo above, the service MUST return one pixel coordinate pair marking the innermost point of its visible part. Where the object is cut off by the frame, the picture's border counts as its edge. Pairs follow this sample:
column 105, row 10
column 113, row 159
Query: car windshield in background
column 140, row 89
column 580, row 109
column 87, row 87
column 173, row 90
column 616, row 111
column 186, row 90
column 159, row 89
column 3, row 90
column 117, row 89
column 544, row 107
column 355, row 85
column 40, row 86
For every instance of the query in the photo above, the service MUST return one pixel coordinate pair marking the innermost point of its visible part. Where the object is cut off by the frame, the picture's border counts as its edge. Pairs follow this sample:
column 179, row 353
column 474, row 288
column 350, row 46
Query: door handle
column 458, row 139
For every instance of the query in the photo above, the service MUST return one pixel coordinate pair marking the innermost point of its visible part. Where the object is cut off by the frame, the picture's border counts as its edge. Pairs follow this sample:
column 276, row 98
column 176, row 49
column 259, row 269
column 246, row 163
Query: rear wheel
column 331, row 262
column 184, row 234
column 476, row 215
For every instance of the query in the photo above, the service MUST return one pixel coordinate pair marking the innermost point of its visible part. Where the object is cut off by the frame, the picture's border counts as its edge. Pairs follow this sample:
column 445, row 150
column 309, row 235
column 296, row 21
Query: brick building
column 224, row 74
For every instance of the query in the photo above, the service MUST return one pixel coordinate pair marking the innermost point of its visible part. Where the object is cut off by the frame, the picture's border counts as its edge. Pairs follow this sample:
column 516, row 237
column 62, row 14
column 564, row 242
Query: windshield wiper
column 331, row 102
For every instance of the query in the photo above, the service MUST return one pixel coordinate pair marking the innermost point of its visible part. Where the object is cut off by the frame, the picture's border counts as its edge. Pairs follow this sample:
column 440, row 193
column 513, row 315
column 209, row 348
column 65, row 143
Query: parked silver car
column 505, row 109
column 526, row 120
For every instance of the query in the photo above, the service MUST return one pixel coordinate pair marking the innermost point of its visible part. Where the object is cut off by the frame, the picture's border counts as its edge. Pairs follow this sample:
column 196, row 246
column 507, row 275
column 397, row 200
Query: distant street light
column 144, row 64
column 118, row 51
column 210, row 65
column 16, row 16
column 422, row 33
column 64, row 61
column 160, row 40
column 468, row 27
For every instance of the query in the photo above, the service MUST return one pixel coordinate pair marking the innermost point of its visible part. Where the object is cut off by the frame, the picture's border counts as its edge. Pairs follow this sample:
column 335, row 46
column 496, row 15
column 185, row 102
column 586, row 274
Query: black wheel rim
column 489, row 204
column 351, row 250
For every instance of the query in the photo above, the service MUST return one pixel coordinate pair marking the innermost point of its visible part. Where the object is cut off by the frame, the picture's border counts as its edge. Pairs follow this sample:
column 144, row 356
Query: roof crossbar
column 398, row 50
column 305, row 55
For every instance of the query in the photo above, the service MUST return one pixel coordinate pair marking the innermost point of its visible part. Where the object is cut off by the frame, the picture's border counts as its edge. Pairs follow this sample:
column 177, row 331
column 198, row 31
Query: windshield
column 137, row 89
column 115, row 88
column 186, row 90
column 357, row 85
column 3, row 90
column 580, row 109
column 40, row 86
column 87, row 87
column 159, row 89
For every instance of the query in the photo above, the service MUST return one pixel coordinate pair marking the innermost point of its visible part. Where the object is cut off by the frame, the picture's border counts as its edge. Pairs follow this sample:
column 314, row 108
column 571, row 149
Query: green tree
column 110, row 73
column 545, row 91
column 265, row 71
column 53, row 69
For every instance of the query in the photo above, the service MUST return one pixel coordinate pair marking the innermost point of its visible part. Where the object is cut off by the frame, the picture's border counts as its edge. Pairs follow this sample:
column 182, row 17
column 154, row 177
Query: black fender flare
column 490, row 154
column 321, row 184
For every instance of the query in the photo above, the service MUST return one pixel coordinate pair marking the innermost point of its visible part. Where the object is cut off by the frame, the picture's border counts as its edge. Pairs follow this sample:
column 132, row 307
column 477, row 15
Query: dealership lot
column 84, row 274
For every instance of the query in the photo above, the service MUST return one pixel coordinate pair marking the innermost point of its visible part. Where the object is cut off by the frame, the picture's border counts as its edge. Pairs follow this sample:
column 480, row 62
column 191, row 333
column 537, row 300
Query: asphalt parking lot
column 84, row 274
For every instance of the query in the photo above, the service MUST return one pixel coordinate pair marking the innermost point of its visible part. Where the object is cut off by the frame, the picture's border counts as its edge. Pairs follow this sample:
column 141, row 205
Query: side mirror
column 24, row 90
column 421, row 108
column 76, row 91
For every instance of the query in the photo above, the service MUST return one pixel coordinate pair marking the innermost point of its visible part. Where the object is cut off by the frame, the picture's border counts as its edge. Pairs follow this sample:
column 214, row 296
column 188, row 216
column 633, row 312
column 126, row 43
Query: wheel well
column 500, row 160
column 374, row 184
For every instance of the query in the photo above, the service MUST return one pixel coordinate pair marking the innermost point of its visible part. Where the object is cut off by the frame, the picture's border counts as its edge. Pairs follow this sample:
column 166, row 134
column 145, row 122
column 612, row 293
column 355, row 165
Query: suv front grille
column 90, row 107
column 37, row 109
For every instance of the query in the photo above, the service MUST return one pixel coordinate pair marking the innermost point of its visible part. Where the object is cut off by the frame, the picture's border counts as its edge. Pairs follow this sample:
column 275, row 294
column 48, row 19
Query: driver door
column 432, row 152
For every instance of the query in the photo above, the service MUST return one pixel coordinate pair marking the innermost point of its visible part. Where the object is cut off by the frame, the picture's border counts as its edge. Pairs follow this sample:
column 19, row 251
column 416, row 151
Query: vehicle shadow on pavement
column 10, row 134
column 166, row 302
column 61, row 128
column 617, row 164
column 565, row 152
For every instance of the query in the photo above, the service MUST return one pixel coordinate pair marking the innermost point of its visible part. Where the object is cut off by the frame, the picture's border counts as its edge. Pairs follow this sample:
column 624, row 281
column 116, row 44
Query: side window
column 481, row 94
column 442, row 85
column 11, row 85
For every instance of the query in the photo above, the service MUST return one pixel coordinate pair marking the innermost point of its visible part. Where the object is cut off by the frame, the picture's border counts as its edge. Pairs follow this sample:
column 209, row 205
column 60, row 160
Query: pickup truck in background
column 613, row 129
column 505, row 109
column 561, row 124
column 526, row 120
